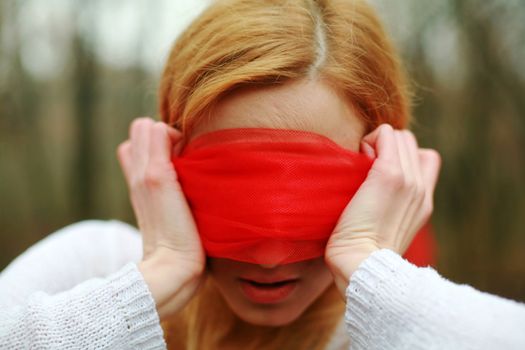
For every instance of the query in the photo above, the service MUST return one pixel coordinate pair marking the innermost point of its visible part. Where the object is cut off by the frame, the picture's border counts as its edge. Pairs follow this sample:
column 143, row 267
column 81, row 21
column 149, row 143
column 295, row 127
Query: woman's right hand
column 173, row 262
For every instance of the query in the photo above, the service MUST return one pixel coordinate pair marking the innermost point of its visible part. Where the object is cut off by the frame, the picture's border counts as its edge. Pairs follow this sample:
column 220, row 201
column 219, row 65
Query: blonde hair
column 240, row 43
column 208, row 323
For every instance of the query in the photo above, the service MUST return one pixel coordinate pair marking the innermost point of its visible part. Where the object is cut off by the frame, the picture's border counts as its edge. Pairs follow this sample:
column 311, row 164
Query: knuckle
column 159, row 124
column 395, row 178
column 148, row 121
column 415, row 189
column 136, row 123
column 409, row 134
column 428, row 208
column 410, row 185
column 420, row 191
column 140, row 122
column 152, row 178
column 123, row 148
column 437, row 157
column 145, row 120
column 433, row 153
column 123, row 153
column 158, row 128
column 411, row 138
column 386, row 127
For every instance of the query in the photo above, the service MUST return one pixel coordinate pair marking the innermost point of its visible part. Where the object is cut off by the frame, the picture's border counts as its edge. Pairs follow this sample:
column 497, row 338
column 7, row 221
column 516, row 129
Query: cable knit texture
column 392, row 304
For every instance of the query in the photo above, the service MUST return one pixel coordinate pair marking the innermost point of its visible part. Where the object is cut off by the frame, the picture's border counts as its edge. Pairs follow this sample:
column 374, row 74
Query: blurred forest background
column 73, row 74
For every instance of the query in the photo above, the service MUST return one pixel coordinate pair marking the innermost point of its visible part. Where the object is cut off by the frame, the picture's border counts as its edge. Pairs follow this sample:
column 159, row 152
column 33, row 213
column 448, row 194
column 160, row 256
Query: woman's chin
column 268, row 318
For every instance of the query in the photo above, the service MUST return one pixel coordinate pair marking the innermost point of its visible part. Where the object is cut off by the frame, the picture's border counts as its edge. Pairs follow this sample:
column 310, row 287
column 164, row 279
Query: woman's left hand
column 392, row 204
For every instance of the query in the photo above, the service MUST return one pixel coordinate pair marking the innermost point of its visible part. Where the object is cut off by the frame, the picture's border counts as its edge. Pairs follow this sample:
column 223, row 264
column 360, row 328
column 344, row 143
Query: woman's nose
column 270, row 253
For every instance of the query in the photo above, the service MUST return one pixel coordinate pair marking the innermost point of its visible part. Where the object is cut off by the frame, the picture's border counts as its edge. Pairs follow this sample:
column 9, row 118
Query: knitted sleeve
column 392, row 304
column 79, row 288
column 117, row 312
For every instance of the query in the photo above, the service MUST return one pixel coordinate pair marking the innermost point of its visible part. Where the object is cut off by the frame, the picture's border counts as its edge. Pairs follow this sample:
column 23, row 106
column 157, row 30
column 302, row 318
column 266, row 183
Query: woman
column 318, row 67
column 325, row 67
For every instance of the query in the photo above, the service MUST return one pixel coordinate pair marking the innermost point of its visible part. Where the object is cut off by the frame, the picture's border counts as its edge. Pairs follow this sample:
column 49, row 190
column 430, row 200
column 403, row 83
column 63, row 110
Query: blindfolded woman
column 271, row 201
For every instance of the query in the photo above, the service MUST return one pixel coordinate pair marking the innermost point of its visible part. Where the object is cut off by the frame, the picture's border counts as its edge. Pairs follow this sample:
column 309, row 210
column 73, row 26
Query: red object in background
column 423, row 250
column 272, row 196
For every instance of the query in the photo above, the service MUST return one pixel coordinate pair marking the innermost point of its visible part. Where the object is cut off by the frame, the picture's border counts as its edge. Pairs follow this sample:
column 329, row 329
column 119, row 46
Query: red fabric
column 423, row 250
column 268, row 196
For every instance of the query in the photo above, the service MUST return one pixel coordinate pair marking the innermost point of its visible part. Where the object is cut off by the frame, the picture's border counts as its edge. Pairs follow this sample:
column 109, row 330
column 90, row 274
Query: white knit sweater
column 79, row 288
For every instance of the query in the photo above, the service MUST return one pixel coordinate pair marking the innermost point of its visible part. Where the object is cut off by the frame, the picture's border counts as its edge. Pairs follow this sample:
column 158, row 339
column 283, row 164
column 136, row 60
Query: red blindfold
column 268, row 196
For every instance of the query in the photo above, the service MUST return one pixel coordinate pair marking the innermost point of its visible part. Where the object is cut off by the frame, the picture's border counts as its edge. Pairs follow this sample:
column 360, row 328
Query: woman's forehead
column 302, row 105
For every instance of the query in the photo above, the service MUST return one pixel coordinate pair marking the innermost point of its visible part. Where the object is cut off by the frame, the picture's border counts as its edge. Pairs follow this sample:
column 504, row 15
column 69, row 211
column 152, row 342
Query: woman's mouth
column 268, row 292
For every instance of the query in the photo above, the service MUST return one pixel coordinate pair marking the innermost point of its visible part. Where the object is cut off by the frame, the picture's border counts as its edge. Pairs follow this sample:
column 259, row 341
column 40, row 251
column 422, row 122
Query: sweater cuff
column 138, row 308
column 373, row 286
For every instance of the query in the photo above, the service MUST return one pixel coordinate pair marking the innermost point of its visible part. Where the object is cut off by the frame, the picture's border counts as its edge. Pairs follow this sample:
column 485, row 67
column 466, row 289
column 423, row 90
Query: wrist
column 169, row 288
column 344, row 265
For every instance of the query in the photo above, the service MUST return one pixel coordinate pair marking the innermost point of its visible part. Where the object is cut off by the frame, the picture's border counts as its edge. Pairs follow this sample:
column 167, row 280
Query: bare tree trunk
column 84, row 172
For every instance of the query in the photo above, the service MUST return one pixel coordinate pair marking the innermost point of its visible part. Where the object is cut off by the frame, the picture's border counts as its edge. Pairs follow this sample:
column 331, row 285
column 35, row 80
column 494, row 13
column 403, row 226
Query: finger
column 177, row 149
column 387, row 167
column 166, row 142
column 409, row 204
column 139, row 134
column 124, row 158
column 368, row 150
column 382, row 141
column 160, row 144
column 430, row 166
column 176, row 139
column 412, row 219
column 404, row 157
column 173, row 133
column 413, row 158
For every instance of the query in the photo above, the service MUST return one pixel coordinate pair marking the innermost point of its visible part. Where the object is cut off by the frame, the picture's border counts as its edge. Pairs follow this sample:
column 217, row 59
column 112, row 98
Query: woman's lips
column 268, row 292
